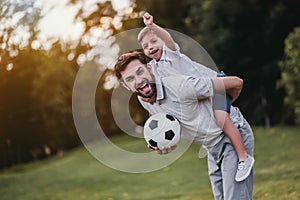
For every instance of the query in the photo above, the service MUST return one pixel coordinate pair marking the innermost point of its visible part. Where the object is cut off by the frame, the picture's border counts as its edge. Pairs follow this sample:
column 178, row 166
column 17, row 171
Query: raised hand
column 148, row 19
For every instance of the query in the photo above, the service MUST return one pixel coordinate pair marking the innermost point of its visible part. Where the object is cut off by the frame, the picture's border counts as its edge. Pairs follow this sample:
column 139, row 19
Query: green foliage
column 246, row 37
column 166, row 13
column 36, row 106
column 36, row 85
column 77, row 175
column 52, row 93
column 101, row 21
column 290, row 75
column 18, row 20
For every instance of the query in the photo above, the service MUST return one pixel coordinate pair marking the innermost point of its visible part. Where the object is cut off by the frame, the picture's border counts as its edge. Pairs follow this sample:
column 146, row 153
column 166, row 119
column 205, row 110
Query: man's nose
column 138, row 81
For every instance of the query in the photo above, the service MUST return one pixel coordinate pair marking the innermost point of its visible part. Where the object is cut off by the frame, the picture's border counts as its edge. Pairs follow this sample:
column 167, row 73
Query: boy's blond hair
column 144, row 32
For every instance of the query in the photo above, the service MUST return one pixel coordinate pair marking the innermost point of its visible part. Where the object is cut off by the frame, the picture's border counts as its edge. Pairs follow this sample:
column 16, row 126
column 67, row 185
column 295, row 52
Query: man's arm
column 232, row 85
column 159, row 31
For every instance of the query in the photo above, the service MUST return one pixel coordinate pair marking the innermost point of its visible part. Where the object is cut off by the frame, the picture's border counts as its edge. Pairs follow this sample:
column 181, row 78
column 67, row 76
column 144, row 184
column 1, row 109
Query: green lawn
column 77, row 175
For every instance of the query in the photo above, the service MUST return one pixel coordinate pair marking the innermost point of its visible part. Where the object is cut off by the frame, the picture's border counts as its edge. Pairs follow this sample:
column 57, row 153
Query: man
column 158, row 44
column 189, row 99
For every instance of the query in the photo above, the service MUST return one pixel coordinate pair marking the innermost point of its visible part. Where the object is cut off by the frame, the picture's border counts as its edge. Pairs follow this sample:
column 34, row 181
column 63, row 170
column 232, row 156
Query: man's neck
column 149, row 100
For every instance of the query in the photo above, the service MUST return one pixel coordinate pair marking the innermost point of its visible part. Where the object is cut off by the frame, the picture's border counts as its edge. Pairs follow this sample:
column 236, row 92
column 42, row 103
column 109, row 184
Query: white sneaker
column 244, row 169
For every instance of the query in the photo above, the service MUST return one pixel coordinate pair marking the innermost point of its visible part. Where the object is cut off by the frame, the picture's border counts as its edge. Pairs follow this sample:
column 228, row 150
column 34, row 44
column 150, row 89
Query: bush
column 290, row 75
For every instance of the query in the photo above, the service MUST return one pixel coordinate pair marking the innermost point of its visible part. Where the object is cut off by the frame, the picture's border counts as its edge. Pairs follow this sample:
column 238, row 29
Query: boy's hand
column 163, row 150
column 148, row 19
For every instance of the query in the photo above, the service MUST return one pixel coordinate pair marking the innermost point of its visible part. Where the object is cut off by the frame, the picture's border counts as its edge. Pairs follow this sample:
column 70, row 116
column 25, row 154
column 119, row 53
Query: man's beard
column 150, row 94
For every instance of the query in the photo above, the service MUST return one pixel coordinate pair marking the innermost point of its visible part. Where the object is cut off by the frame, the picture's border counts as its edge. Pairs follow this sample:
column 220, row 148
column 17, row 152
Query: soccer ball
column 162, row 130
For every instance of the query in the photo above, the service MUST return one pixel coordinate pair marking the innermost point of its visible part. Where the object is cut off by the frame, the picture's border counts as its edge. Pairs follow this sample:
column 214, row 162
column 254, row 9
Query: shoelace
column 241, row 165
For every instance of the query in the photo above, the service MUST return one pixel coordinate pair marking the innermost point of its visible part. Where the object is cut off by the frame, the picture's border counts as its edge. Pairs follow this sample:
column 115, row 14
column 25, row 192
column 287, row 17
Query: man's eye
column 129, row 79
column 140, row 72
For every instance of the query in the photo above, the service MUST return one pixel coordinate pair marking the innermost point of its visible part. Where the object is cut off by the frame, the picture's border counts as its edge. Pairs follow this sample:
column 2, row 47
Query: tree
column 36, row 81
column 17, row 136
column 246, row 37
column 290, row 75
column 167, row 13
column 17, row 30
column 52, row 92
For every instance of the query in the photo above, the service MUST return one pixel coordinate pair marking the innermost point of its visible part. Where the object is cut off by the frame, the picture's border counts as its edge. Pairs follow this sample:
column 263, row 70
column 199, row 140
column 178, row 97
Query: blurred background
column 44, row 43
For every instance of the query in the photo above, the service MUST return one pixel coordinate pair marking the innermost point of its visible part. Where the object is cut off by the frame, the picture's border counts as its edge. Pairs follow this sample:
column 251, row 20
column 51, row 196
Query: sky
column 58, row 22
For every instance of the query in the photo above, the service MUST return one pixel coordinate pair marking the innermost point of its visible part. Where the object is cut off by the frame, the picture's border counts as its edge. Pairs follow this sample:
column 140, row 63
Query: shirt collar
column 160, row 92
column 163, row 55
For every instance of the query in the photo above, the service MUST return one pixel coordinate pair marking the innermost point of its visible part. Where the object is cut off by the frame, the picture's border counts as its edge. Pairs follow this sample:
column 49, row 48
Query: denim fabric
column 222, row 167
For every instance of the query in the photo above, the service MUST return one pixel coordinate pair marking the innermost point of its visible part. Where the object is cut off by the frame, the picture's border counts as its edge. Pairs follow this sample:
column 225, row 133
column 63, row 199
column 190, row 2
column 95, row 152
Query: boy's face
column 138, row 79
column 152, row 46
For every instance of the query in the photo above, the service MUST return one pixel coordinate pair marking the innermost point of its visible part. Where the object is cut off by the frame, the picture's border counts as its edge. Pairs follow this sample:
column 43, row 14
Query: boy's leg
column 221, row 107
column 245, row 162
column 224, row 121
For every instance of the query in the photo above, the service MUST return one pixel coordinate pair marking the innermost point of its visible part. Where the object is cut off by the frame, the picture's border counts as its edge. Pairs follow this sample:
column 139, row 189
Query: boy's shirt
column 174, row 63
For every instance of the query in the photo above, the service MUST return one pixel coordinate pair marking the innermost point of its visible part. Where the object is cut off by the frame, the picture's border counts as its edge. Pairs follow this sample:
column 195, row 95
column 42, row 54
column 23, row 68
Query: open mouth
column 153, row 51
column 145, row 87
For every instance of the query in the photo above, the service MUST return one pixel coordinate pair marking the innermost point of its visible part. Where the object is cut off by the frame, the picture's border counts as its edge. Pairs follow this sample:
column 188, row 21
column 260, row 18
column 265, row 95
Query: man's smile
column 144, row 87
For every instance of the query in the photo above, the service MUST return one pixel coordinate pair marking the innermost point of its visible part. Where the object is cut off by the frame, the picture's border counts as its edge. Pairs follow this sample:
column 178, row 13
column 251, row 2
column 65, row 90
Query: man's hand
column 163, row 150
column 148, row 19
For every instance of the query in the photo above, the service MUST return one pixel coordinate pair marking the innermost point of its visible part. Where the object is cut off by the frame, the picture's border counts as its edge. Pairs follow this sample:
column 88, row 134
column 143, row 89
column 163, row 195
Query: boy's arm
column 234, row 93
column 159, row 31
column 232, row 85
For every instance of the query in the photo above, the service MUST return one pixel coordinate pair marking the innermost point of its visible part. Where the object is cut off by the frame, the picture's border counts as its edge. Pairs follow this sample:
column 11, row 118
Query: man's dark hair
column 126, row 58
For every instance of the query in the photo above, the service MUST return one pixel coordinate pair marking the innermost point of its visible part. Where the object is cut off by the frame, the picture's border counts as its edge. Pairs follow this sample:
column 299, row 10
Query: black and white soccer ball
column 162, row 130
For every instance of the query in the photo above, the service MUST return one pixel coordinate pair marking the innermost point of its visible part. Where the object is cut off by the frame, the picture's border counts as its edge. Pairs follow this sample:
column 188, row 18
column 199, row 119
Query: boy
column 158, row 44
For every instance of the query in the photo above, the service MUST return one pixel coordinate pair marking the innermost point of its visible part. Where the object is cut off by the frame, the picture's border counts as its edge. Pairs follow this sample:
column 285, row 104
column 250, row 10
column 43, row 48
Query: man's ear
column 125, row 86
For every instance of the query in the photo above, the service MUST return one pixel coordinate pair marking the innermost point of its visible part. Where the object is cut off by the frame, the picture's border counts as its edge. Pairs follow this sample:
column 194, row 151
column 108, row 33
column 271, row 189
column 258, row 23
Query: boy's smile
column 152, row 46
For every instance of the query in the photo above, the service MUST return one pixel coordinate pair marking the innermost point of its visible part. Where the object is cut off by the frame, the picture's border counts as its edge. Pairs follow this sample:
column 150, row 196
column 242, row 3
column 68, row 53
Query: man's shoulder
column 174, row 79
column 176, row 82
column 179, row 78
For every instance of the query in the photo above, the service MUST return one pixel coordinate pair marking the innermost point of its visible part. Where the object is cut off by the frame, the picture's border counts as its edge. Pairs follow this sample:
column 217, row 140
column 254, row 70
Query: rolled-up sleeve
column 202, row 88
column 169, row 54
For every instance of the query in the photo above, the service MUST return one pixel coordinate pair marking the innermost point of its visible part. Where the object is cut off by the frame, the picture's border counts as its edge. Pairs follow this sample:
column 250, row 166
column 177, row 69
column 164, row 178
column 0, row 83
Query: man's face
column 152, row 46
column 138, row 79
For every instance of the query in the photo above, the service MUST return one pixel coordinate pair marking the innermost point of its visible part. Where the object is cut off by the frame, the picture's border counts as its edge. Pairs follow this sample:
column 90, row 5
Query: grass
column 277, row 168
column 78, row 176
